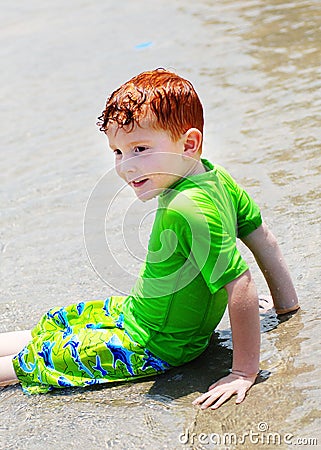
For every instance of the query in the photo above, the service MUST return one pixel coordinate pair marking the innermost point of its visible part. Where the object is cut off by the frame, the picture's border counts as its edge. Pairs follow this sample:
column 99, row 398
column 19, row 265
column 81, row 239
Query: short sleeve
column 247, row 211
column 248, row 215
column 205, row 229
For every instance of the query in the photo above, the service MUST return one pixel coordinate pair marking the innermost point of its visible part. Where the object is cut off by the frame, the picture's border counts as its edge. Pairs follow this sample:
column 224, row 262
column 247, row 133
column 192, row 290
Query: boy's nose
column 127, row 166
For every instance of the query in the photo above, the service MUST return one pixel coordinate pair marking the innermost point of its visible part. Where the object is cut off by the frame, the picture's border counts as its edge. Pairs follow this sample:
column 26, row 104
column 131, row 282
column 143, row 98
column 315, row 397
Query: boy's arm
column 268, row 255
column 245, row 324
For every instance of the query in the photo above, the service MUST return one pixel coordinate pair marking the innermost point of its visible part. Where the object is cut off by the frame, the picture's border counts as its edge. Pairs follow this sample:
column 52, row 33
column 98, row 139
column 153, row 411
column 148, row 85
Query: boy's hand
column 219, row 392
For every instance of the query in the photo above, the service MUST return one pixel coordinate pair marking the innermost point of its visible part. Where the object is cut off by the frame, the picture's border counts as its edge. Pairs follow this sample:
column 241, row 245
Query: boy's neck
column 196, row 169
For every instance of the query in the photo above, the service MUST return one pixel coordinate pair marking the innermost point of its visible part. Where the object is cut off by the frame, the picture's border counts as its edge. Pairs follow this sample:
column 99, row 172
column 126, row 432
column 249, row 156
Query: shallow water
column 256, row 66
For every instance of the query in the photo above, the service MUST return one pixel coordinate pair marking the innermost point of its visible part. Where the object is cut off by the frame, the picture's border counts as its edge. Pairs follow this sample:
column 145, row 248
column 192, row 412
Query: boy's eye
column 140, row 149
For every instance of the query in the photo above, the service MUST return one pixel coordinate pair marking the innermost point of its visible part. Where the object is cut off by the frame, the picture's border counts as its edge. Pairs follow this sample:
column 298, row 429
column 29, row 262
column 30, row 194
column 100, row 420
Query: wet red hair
column 171, row 99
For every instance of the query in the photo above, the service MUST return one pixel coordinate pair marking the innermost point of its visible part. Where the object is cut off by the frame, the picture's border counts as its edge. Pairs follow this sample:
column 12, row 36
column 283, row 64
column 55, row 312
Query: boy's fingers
column 218, row 393
column 201, row 398
column 222, row 400
column 207, row 398
column 241, row 396
column 214, row 396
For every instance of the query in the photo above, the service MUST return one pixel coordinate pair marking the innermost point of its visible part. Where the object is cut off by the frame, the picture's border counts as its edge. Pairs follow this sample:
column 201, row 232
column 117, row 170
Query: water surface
column 256, row 66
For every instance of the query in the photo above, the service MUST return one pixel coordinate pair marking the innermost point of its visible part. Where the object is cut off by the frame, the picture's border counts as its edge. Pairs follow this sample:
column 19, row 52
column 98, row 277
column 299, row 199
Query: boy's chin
column 148, row 195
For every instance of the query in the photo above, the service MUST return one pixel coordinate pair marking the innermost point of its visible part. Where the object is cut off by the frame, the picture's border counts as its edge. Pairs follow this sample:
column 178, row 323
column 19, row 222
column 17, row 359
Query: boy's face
column 148, row 159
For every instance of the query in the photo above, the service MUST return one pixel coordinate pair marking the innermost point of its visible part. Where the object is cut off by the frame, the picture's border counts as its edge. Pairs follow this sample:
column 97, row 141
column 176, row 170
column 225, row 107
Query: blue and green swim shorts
column 82, row 345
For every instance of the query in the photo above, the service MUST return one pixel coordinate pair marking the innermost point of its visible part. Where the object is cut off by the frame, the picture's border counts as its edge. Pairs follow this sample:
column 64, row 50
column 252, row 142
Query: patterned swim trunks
column 82, row 345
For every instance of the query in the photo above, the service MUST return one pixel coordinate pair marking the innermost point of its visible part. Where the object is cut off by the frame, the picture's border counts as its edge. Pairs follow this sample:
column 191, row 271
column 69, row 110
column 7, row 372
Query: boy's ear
column 193, row 141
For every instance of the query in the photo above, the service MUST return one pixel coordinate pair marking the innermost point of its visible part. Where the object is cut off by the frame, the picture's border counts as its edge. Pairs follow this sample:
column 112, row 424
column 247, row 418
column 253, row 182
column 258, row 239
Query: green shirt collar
column 208, row 166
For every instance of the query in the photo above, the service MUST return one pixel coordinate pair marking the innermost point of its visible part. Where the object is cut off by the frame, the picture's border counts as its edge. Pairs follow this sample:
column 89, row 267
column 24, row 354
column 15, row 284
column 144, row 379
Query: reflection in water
column 285, row 42
column 286, row 36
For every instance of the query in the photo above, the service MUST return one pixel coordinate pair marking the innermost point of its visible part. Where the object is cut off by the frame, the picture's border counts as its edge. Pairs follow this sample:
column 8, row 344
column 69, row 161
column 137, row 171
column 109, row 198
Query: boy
column 154, row 124
column 193, row 270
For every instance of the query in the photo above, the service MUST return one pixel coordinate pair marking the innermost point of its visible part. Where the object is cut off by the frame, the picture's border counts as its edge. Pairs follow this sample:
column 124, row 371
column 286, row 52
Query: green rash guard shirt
column 179, row 297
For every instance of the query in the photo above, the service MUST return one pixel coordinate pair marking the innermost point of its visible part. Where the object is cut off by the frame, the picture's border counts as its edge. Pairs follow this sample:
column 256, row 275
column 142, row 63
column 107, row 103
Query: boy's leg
column 7, row 373
column 13, row 342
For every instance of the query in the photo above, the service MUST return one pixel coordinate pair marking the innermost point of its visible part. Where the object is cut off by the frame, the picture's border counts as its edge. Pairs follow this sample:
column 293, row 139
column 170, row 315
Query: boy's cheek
column 118, row 171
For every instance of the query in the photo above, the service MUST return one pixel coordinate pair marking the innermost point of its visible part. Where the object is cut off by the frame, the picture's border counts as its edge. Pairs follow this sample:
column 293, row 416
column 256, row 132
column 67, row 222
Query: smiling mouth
column 137, row 184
